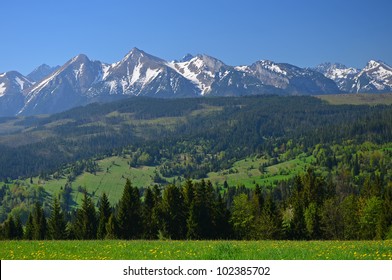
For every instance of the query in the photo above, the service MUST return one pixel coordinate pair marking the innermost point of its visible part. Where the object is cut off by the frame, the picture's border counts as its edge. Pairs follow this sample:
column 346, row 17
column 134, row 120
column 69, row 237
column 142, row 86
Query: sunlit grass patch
column 196, row 250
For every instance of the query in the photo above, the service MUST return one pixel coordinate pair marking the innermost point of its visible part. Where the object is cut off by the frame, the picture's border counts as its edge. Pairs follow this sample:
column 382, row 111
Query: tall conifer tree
column 129, row 213
column 56, row 223
column 104, row 213
column 39, row 222
column 86, row 221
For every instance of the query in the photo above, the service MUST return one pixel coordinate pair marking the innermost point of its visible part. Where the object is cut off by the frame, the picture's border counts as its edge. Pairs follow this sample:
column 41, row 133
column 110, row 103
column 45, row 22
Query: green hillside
column 288, row 162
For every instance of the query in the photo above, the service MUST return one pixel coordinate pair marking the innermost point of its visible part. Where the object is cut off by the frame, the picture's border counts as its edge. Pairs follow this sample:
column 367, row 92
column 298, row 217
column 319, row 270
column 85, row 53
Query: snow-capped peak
column 371, row 65
column 200, row 70
column 378, row 69
column 135, row 53
column 80, row 58
column 13, row 82
column 336, row 71
column 81, row 80
column 375, row 77
column 187, row 57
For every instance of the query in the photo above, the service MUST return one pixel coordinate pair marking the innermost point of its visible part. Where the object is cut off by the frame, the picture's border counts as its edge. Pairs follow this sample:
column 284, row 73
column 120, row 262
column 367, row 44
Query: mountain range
column 81, row 81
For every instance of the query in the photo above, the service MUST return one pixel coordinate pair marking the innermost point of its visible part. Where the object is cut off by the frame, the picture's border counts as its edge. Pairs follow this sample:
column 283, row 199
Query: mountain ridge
column 81, row 81
column 375, row 77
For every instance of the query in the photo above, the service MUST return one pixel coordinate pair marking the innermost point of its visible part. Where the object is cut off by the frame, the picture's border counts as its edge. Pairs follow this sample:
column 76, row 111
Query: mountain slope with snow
column 81, row 81
column 12, row 86
column 213, row 77
column 65, row 88
column 341, row 74
column 139, row 73
column 41, row 72
column 290, row 78
column 375, row 77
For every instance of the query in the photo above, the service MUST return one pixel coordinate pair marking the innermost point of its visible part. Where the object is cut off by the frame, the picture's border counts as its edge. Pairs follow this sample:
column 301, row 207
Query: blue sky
column 300, row 32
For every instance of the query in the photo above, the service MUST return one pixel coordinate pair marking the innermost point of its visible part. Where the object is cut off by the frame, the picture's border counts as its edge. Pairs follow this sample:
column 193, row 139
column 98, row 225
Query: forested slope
column 342, row 192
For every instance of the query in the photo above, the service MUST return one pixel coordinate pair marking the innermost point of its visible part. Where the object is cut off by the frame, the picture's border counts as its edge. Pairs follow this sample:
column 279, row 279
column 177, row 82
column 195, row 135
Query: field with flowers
column 196, row 250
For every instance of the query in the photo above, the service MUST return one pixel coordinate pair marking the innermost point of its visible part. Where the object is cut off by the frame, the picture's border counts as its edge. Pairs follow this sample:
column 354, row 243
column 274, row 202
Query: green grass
column 113, row 172
column 196, row 250
column 246, row 172
column 358, row 99
column 110, row 179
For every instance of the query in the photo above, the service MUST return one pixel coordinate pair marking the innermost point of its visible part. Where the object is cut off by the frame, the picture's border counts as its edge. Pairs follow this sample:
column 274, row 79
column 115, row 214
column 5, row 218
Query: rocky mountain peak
column 81, row 81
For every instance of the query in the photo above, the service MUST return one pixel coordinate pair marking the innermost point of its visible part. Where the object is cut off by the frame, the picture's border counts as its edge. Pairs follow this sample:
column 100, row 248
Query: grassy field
column 113, row 172
column 110, row 179
column 358, row 99
column 196, row 250
column 246, row 172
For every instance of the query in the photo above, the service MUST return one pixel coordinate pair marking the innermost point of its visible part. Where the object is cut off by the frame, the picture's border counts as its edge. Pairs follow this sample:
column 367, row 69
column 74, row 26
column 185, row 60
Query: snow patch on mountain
column 2, row 89
column 273, row 67
column 20, row 82
column 342, row 75
column 243, row 68
column 136, row 74
column 79, row 72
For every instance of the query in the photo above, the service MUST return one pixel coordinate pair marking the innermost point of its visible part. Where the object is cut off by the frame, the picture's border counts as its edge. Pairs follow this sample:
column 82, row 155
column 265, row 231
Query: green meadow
column 113, row 172
column 358, row 99
column 195, row 250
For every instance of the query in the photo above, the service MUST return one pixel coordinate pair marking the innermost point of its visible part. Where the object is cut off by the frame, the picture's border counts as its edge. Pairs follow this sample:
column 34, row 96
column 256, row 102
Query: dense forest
column 346, row 193
column 225, row 128
column 308, row 207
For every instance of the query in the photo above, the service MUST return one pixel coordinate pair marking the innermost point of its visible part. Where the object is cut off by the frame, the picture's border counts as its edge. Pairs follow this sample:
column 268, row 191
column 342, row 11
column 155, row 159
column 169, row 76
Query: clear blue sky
column 300, row 32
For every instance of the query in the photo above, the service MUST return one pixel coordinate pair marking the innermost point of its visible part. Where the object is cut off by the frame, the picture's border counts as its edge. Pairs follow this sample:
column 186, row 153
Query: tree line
column 306, row 207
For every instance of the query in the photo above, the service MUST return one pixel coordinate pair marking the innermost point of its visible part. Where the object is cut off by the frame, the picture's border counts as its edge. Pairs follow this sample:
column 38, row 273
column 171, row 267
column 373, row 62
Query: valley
column 267, row 156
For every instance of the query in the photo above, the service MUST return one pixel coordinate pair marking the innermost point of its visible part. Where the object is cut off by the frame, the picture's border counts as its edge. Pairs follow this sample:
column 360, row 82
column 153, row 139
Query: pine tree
column 104, row 213
column 10, row 229
column 39, row 222
column 188, row 193
column 201, row 218
column 385, row 221
column 129, row 213
column 56, row 222
column 150, row 230
column 18, row 228
column 268, row 222
column 85, row 226
column 174, row 212
column 13, row 228
column 331, row 219
column 28, row 234
column 112, row 227
column 349, row 209
column 297, row 203
column 222, row 217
